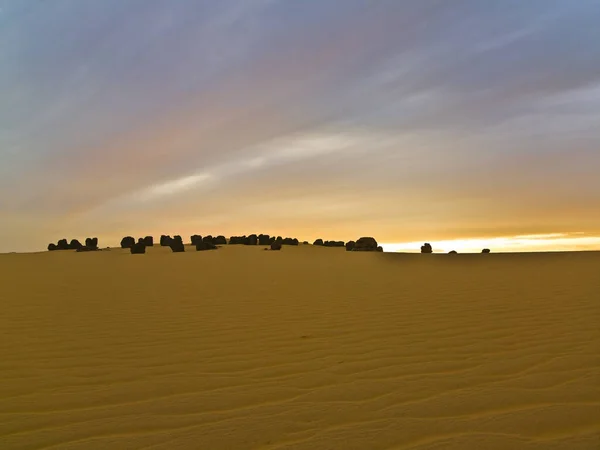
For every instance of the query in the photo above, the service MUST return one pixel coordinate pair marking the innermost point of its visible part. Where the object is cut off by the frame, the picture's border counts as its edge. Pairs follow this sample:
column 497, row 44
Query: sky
column 465, row 124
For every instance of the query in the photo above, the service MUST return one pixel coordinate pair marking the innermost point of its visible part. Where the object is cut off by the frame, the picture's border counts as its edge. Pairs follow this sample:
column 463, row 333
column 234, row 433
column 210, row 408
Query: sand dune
column 308, row 348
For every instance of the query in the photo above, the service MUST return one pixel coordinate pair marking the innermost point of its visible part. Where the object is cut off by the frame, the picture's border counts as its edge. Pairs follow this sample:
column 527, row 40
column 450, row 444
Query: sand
column 307, row 348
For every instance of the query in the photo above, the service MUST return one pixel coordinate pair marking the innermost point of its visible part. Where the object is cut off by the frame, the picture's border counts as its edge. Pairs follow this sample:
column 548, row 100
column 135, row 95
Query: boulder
column 52, row 247
column 365, row 244
column 264, row 239
column 127, row 242
column 276, row 245
column 252, row 240
column 138, row 248
column 149, row 241
column 75, row 244
column 452, row 252
column 238, row 240
column 350, row 246
column 380, row 248
column 289, row 241
column 220, row 240
column 426, row 248
column 195, row 239
column 165, row 240
column 62, row 245
column 333, row 244
column 91, row 243
column 318, row 242
column 177, row 245
column 305, row 243
column 485, row 250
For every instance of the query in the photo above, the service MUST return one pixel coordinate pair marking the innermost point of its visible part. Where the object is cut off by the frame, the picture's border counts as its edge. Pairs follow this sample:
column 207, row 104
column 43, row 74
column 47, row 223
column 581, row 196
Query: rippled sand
column 308, row 348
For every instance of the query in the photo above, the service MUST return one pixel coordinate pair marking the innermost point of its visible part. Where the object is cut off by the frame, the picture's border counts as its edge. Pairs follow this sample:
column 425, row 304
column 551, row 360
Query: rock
column 195, row 239
column 75, row 244
column 91, row 243
column 127, row 242
column 365, row 244
column 138, row 248
column 62, row 245
column 52, row 247
column 149, row 241
column 177, row 245
column 276, row 245
column 205, row 245
column 289, row 241
column 350, row 246
column 165, row 240
column 380, row 248
column 333, row 244
column 264, row 239
column 452, row 252
column 220, row 240
column 305, row 243
column 426, row 248
column 318, row 242
column 252, row 240
column 485, row 250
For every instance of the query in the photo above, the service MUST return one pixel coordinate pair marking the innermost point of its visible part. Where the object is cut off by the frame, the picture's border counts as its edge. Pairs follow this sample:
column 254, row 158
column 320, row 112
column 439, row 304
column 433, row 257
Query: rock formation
column 138, row 248
column 333, row 244
column 350, row 246
column 176, row 244
column 127, row 242
column 75, row 244
column 149, row 241
column 194, row 239
column 264, row 239
column 366, row 244
column 91, row 243
column 252, row 240
column 276, row 245
column 52, row 247
column 318, row 242
column 289, row 241
column 220, row 240
column 485, row 250
column 165, row 240
column 426, row 248
column 452, row 252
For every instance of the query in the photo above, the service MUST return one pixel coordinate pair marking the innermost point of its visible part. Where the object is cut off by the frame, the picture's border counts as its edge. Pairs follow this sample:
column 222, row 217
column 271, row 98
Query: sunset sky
column 469, row 121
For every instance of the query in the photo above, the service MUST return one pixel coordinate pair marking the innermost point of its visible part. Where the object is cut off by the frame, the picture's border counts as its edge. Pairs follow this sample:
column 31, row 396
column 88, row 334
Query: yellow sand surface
column 307, row 348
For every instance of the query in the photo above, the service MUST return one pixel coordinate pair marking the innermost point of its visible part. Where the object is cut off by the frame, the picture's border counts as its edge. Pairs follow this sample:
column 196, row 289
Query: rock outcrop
column 52, row 247
column 318, row 242
column 138, row 248
column 276, row 245
column 149, row 241
column 176, row 244
column 426, row 248
column 333, row 244
column 366, row 244
column 350, row 246
column 264, row 239
column 205, row 245
column 165, row 240
column 220, row 240
column 485, row 250
column 127, row 242
column 91, row 243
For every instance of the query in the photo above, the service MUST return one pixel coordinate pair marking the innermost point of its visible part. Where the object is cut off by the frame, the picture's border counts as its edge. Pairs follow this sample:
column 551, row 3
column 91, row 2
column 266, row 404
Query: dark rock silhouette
column 350, row 246
column 452, row 252
column 289, row 241
column 138, row 248
column 305, row 243
column 238, row 240
column 276, row 245
column 149, row 241
column 485, row 250
column 177, row 246
column 318, row 242
column 208, row 239
column 205, row 245
column 75, row 244
column 194, row 239
column 426, row 248
column 380, row 248
column 52, row 247
column 252, row 240
column 365, row 244
column 62, row 245
column 272, row 239
column 220, row 240
column 264, row 239
column 91, row 243
column 333, row 244
column 165, row 240
column 127, row 242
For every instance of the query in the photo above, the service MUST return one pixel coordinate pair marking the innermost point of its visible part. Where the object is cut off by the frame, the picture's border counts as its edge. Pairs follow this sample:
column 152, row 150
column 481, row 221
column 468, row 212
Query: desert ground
column 307, row 348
